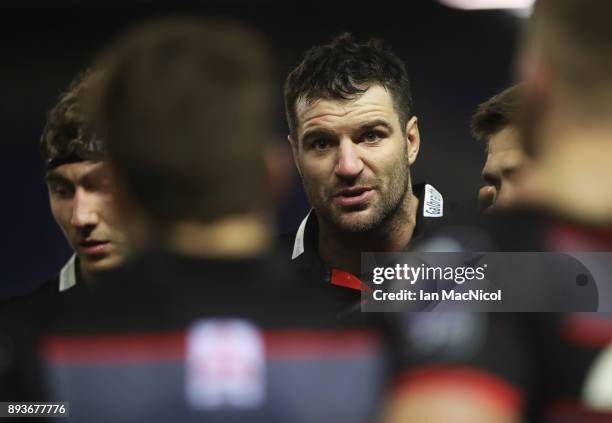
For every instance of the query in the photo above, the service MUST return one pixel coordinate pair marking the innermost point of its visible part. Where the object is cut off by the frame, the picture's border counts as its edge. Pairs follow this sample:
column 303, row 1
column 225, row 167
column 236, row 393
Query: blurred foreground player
column 354, row 136
column 495, row 124
column 204, row 324
column 562, row 203
column 567, row 127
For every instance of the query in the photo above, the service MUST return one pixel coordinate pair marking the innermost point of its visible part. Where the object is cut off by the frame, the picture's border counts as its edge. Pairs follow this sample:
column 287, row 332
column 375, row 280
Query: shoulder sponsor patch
column 225, row 365
column 433, row 203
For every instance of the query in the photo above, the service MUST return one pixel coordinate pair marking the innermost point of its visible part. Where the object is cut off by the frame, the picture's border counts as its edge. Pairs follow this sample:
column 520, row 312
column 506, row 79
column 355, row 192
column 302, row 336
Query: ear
column 294, row 151
column 414, row 139
column 278, row 171
column 535, row 75
column 537, row 97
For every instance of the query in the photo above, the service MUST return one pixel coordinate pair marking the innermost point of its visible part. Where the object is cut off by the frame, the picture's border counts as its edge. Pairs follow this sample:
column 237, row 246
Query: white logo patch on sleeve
column 225, row 365
column 433, row 203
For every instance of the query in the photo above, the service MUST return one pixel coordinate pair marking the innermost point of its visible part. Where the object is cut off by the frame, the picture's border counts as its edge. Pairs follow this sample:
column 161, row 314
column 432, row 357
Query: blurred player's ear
column 414, row 139
column 130, row 217
column 535, row 94
column 278, row 162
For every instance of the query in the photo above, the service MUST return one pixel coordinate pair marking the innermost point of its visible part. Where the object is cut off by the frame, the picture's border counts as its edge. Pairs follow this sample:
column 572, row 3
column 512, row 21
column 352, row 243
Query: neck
column 83, row 274
column 343, row 250
column 231, row 237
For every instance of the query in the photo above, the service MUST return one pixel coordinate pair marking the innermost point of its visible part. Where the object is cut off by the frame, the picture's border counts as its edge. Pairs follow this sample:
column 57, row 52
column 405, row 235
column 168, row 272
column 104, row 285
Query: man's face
column 354, row 159
column 81, row 204
column 506, row 160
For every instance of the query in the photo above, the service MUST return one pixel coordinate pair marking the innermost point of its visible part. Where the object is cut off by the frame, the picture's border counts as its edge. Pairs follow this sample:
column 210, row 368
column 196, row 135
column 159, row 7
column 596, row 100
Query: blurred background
column 456, row 59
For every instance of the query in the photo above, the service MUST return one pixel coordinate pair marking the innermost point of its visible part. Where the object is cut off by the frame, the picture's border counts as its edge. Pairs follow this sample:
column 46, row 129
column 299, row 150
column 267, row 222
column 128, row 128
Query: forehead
column 338, row 114
column 505, row 141
column 505, row 150
column 78, row 171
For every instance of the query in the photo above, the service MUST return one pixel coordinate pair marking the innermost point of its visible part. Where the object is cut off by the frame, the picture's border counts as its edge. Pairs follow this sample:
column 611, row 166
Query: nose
column 349, row 164
column 84, row 212
column 486, row 197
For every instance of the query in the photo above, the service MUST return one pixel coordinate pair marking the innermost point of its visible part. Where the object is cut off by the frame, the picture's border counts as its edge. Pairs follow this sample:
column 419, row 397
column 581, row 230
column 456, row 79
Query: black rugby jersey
column 173, row 338
column 302, row 248
column 566, row 357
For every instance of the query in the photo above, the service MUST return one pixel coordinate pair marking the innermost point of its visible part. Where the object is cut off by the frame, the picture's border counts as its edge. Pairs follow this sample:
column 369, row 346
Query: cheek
column 314, row 171
column 391, row 164
column 62, row 213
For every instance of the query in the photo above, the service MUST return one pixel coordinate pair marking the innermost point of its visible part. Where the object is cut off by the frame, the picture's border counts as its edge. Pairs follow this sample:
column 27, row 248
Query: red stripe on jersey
column 320, row 344
column 572, row 410
column 125, row 348
column 170, row 346
column 348, row 280
column 492, row 389
column 587, row 330
column 566, row 237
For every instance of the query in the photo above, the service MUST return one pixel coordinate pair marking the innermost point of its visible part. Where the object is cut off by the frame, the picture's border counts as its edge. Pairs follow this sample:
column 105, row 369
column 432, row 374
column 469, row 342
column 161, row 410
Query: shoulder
column 286, row 241
column 48, row 289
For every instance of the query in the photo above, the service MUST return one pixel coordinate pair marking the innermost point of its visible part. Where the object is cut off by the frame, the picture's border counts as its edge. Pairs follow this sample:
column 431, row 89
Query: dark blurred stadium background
column 456, row 59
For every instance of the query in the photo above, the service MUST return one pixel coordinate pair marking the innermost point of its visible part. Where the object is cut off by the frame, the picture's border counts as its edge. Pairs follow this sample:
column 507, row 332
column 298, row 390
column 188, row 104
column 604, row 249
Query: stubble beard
column 387, row 214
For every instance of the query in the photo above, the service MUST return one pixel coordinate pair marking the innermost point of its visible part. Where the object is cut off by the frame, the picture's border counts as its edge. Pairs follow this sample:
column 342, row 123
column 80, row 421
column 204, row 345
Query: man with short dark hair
column 78, row 183
column 495, row 124
column 354, row 136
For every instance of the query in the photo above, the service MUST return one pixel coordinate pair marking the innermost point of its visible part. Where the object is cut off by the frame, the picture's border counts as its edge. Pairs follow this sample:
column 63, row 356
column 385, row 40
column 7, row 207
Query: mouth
column 353, row 196
column 94, row 248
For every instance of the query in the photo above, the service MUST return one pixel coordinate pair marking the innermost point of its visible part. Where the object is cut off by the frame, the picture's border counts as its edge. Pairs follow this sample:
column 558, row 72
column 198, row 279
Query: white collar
column 298, row 244
column 67, row 277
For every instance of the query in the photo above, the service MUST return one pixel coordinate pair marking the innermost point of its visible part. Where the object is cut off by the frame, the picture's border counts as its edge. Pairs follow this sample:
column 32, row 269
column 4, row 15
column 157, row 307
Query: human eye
column 61, row 189
column 371, row 136
column 98, row 184
column 513, row 172
column 320, row 144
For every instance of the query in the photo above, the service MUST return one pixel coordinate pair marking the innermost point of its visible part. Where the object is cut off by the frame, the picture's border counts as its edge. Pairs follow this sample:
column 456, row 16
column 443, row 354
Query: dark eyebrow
column 97, row 173
column 374, row 123
column 317, row 133
column 324, row 133
column 54, row 177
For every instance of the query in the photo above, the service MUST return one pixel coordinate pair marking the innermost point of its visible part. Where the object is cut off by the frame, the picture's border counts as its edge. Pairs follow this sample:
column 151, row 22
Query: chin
column 360, row 222
column 104, row 264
